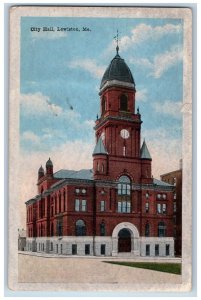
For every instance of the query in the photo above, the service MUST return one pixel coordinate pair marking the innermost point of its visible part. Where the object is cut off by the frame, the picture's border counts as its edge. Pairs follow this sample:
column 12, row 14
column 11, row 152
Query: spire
column 99, row 148
column 117, row 41
column 144, row 152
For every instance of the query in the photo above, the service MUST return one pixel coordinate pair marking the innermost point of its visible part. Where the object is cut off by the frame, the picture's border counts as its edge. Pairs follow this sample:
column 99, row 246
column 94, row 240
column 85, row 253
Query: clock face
column 124, row 133
column 103, row 135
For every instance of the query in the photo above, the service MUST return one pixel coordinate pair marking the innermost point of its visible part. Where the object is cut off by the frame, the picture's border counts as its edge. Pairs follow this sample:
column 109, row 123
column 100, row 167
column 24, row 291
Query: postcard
column 100, row 120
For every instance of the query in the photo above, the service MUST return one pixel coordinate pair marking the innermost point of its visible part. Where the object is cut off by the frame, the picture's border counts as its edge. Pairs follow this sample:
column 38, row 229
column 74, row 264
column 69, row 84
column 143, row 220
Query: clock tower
column 117, row 131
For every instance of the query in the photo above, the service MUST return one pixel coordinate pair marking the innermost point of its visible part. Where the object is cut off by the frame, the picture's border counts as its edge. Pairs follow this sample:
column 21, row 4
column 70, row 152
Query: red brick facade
column 121, row 179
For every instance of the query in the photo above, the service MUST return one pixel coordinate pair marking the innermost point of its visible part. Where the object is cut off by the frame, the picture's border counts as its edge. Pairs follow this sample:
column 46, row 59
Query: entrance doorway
column 124, row 240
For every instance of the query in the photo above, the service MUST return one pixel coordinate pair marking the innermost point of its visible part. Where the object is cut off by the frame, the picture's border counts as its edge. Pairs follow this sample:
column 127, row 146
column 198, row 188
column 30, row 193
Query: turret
column 145, row 164
column 100, row 164
column 41, row 172
column 49, row 167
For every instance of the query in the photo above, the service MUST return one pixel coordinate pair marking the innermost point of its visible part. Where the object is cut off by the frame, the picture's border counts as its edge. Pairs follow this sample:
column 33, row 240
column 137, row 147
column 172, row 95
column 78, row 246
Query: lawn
column 174, row 268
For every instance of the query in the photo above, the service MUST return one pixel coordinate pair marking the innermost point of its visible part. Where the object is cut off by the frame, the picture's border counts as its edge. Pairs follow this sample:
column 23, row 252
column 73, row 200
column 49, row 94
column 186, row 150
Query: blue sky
column 63, row 70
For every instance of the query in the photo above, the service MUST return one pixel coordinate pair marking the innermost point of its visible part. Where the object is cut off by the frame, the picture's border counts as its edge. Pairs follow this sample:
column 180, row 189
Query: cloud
column 89, row 65
column 141, row 95
column 161, row 62
column 168, row 108
column 39, row 104
column 142, row 33
column 29, row 136
column 164, row 61
column 50, row 35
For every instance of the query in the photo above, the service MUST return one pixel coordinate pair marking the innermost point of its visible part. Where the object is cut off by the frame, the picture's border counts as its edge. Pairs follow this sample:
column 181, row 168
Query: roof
column 49, row 163
column 99, row 148
column 117, row 70
column 81, row 174
column 161, row 183
column 144, row 152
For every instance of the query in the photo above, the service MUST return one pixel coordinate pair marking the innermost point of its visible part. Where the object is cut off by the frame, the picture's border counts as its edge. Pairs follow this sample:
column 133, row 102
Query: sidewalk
column 103, row 258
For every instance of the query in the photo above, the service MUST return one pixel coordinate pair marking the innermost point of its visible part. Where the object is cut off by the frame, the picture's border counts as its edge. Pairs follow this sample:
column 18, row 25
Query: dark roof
column 41, row 170
column 161, row 183
column 117, row 70
column 99, row 148
column 144, row 152
column 49, row 163
column 81, row 174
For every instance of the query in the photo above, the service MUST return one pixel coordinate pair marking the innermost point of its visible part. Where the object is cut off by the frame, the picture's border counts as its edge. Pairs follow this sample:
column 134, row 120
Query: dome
column 49, row 163
column 41, row 170
column 118, row 70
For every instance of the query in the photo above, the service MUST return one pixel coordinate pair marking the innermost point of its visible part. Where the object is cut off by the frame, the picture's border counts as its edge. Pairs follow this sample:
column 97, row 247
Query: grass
column 174, row 268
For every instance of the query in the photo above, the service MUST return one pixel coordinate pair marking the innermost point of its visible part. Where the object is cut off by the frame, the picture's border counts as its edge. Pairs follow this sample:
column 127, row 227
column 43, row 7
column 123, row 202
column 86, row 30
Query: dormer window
column 123, row 103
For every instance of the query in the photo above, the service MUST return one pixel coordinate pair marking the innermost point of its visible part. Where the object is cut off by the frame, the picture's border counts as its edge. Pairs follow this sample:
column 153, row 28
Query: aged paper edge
column 14, row 85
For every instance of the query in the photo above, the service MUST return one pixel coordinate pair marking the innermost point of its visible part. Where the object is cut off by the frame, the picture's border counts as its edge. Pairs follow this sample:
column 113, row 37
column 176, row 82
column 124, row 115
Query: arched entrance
column 124, row 240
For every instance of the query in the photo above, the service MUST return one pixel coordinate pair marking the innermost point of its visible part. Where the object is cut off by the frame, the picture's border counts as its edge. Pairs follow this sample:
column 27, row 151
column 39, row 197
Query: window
column 87, row 249
column 147, row 207
column 123, row 103
column 59, row 202
column 167, row 249
column 84, row 191
column 80, row 228
column 175, row 196
column 174, row 181
column 147, row 250
column 161, row 229
column 174, row 206
column 124, row 150
column 59, row 227
column 164, row 208
column 77, row 204
column 156, row 250
column 159, row 196
column 159, row 208
column 164, row 196
column 98, row 167
column 84, row 205
column 102, row 249
column 147, row 229
column 57, row 247
column 102, row 168
column 74, row 249
column 80, row 205
column 77, row 191
column 147, row 195
column 61, row 247
column 103, row 104
column 64, row 199
column 102, row 229
column 51, row 246
column 52, row 229
column 102, row 205
column 124, row 191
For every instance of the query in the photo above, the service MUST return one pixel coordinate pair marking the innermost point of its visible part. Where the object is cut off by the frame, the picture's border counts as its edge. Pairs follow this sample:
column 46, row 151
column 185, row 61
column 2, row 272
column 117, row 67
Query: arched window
column 147, row 229
column 102, row 229
column 102, row 168
column 123, row 103
column 80, row 228
column 98, row 167
column 161, row 229
column 103, row 105
column 124, row 195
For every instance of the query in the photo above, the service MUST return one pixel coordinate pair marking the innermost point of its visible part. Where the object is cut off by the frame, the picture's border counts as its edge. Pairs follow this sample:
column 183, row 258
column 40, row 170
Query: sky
column 60, row 79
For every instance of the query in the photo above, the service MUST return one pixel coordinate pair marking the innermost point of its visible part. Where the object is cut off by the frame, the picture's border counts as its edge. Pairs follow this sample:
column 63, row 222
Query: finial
column 138, row 110
column 97, row 117
column 117, row 41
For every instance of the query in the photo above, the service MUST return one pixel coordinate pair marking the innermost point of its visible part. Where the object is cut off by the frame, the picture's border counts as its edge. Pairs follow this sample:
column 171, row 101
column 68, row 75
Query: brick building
column 175, row 178
column 117, row 208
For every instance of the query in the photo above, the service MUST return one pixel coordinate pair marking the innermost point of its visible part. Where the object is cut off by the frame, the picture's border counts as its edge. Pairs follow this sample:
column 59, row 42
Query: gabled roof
column 81, row 174
column 99, row 148
column 144, row 152
column 161, row 183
